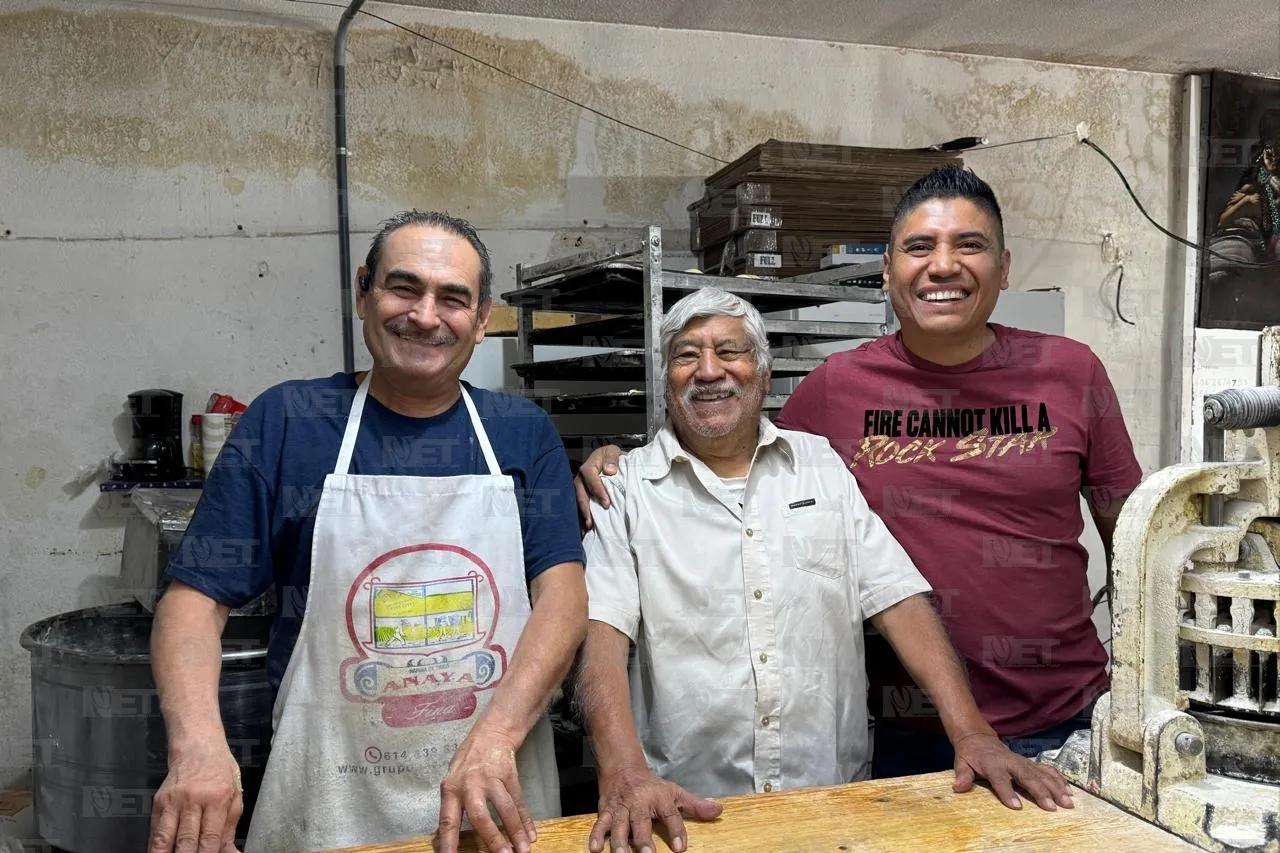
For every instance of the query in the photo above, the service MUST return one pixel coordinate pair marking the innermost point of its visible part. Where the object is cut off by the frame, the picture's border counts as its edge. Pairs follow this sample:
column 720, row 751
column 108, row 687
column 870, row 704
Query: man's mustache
column 728, row 386
column 404, row 329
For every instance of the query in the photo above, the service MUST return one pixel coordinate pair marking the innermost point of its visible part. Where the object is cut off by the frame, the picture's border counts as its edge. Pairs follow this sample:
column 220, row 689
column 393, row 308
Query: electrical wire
column 978, row 144
column 518, row 78
column 984, row 147
column 1233, row 261
column 1104, row 594
column 1119, row 284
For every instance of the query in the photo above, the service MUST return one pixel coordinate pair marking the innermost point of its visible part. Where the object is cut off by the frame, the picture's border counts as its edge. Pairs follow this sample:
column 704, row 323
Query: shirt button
column 764, row 721
column 758, row 594
column 749, row 531
column 768, row 786
column 764, row 658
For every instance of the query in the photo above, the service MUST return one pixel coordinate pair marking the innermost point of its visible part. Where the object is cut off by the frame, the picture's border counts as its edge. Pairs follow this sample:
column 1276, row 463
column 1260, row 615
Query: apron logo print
column 421, row 620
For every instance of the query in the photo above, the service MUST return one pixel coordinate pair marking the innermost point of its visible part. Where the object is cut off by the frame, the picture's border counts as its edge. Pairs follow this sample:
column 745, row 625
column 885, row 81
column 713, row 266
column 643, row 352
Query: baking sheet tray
column 614, row 402
column 629, row 332
column 618, row 288
column 620, row 366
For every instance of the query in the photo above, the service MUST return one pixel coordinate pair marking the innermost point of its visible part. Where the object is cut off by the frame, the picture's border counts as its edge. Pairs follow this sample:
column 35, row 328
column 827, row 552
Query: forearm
column 545, row 652
column 1106, row 525
column 605, row 698
column 186, row 660
column 917, row 636
column 1105, row 507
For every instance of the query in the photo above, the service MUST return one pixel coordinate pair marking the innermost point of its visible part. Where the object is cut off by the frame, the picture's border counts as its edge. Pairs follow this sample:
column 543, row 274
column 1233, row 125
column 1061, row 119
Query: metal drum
column 98, row 737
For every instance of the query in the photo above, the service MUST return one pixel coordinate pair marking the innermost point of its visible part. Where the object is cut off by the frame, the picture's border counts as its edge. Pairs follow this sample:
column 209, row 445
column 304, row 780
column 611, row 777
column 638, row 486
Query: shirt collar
column 669, row 450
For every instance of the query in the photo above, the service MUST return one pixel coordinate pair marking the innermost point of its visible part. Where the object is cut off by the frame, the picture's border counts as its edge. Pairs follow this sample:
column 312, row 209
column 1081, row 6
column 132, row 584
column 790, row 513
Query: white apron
column 417, row 600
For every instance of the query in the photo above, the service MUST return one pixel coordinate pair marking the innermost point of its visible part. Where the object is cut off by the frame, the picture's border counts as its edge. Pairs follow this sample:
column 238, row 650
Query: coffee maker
column 156, row 455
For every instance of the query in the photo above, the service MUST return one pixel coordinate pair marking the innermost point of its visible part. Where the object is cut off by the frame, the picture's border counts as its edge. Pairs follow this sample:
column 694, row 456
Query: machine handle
column 1243, row 408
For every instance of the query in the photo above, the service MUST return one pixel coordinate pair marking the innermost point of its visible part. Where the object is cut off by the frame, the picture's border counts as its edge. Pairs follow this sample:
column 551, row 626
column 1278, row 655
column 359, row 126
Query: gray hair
column 714, row 302
column 432, row 219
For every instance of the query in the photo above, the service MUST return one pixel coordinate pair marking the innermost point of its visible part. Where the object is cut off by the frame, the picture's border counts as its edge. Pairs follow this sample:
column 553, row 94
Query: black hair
column 434, row 219
column 1269, row 127
column 945, row 182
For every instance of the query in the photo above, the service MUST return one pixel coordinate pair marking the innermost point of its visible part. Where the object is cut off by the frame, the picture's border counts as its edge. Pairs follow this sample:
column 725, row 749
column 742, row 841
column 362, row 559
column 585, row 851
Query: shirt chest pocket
column 813, row 538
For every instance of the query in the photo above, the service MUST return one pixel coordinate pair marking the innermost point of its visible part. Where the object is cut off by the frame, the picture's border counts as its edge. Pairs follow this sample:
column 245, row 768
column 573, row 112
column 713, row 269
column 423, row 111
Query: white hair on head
column 714, row 302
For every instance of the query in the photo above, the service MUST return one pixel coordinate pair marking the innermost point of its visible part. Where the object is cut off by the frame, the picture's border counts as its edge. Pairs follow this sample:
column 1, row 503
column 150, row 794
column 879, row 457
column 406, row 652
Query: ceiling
column 1170, row 36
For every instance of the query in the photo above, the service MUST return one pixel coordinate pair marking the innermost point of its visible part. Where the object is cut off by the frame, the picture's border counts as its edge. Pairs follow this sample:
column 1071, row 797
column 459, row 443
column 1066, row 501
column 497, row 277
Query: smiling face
column 713, row 385
column 945, row 269
column 422, row 316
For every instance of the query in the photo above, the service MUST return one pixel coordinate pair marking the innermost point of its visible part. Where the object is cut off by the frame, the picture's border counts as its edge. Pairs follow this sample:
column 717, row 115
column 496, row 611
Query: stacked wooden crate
column 775, row 210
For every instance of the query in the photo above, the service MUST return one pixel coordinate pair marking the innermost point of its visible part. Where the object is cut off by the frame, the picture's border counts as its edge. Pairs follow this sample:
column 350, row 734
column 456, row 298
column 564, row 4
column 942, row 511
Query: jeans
column 902, row 750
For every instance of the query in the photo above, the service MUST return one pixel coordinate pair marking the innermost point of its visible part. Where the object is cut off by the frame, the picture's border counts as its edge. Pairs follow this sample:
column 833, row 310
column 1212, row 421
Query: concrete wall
column 167, row 211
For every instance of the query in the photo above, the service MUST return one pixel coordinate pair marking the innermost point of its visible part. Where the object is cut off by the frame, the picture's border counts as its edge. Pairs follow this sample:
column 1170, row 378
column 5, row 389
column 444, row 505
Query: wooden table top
column 907, row 815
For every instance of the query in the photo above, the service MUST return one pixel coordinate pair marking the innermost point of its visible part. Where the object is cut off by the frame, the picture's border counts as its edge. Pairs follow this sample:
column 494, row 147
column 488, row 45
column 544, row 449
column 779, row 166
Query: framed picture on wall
column 1240, row 190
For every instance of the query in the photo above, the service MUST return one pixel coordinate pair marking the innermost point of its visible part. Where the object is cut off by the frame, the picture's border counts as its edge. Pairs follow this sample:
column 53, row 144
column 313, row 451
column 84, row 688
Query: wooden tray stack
column 775, row 210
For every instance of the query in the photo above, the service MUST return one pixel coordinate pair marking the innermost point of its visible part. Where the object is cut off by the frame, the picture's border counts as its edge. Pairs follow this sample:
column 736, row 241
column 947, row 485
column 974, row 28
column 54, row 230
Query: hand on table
column 632, row 798
column 199, row 803
column 483, row 771
column 588, row 483
column 985, row 755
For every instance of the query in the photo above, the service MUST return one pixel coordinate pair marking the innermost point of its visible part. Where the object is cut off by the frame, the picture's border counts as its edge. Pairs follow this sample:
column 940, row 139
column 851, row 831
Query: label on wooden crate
column 767, row 260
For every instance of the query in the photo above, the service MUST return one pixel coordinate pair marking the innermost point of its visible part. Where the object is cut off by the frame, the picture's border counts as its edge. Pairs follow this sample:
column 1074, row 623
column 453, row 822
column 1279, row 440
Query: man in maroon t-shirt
column 974, row 443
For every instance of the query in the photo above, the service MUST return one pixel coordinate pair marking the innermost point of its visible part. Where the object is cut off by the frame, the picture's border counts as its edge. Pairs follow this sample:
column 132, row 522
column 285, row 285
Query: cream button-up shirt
column 749, row 671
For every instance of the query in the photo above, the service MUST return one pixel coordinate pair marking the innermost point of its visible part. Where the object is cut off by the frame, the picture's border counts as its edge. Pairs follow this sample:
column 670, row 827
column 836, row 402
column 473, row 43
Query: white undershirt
column 736, row 486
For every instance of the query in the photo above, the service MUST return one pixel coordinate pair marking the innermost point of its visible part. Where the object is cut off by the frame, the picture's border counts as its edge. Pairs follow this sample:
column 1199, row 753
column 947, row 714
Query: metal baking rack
column 627, row 283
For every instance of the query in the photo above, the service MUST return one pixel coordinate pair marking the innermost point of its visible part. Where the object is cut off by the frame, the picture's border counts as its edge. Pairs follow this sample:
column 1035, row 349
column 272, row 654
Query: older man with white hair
column 742, row 560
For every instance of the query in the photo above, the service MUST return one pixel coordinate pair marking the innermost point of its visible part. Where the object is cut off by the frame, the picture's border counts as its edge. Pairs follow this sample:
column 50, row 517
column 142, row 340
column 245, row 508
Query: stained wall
column 167, row 207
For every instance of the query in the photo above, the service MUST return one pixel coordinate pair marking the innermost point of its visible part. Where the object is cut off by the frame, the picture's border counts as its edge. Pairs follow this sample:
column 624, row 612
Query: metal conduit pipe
column 344, row 218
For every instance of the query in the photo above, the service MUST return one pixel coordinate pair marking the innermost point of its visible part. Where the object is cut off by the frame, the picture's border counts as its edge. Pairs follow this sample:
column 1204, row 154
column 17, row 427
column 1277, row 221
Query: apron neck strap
column 490, row 458
column 352, row 430
column 343, row 466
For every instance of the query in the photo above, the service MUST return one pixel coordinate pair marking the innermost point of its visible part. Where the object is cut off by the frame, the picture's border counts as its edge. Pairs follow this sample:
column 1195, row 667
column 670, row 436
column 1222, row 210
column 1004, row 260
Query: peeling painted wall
column 167, row 208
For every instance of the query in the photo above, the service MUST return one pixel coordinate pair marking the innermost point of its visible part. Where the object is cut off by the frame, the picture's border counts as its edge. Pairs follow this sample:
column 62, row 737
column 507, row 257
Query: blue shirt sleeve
column 548, row 507
column 225, row 552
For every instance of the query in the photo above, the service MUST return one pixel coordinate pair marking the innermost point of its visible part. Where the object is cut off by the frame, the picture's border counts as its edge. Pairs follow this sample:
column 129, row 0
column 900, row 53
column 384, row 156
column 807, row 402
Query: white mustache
column 694, row 391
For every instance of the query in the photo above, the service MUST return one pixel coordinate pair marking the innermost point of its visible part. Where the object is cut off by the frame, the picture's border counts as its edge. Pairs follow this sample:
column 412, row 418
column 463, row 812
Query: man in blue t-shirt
column 422, row 539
